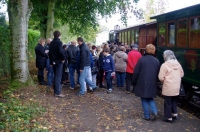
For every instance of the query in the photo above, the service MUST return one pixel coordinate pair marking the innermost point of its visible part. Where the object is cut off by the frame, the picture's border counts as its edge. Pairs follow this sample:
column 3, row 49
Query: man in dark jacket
column 85, row 69
column 145, row 79
column 72, row 53
column 57, row 58
column 41, row 56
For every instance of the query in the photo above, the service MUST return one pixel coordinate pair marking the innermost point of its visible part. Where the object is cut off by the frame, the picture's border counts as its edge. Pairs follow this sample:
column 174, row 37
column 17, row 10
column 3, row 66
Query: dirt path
column 118, row 112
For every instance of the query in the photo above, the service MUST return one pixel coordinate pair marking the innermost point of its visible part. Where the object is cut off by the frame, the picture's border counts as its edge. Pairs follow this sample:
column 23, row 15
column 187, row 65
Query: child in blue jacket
column 109, row 68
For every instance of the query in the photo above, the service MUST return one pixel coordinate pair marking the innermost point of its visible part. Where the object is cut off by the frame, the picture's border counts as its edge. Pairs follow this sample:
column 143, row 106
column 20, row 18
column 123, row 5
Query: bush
column 33, row 37
column 5, row 46
column 4, row 52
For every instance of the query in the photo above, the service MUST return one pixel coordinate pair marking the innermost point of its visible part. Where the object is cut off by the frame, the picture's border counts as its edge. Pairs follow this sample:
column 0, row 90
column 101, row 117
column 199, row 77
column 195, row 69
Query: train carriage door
column 142, row 39
column 151, row 34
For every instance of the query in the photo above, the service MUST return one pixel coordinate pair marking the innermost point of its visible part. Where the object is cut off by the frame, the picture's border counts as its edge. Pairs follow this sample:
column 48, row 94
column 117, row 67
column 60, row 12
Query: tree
column 19, row 13
column 154, row 7
column 79, row 15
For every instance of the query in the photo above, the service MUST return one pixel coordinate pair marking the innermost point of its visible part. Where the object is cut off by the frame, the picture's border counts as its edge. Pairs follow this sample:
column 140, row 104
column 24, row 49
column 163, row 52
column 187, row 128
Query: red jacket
column 133, row 57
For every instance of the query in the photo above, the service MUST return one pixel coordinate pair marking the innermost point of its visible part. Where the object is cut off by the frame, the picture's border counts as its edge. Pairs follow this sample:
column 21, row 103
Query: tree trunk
column 19, row 13
column 50, row 18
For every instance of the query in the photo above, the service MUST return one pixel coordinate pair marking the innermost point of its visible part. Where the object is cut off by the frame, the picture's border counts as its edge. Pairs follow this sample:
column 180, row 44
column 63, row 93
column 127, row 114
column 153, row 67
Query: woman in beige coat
column 170, row 75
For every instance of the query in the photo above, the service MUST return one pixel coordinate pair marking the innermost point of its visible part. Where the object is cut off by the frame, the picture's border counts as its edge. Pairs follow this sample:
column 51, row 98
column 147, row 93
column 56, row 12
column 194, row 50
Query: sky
column 173, row 5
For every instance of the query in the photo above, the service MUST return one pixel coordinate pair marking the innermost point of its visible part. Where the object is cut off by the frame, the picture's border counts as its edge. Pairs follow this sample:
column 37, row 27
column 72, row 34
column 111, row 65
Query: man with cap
column 133, row 56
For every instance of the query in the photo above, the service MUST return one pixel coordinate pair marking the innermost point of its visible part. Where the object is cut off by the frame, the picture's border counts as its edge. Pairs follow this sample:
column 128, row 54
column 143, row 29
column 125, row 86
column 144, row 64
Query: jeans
column 41, row 75
column 89, row 77
column 170, row 106
column 57, row 69
column 146, row 103
column 129, row 78
column 50, row 78
column 94, row 78
column 72, row 68
column 84, row 77
column 120, row 78
column 108, row 80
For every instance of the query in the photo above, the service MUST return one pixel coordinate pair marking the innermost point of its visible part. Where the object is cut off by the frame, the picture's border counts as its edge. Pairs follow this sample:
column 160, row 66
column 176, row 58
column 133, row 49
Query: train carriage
column 139, row 34
column 179, row 31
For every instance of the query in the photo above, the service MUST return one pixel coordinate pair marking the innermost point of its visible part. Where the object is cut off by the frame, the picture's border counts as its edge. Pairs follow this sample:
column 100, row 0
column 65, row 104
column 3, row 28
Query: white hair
column 169, row 55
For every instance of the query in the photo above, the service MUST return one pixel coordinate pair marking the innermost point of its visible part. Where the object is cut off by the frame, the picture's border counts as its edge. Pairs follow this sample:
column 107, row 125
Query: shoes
column 80, row 95
column 167, row 120
column 109, row 91
column 175, row 117
column 77, row 85
column 127, row 92
column 59, row 95
column 43, row 83
column 91, row 90
column 154, row 117
column 102, row 86
column 71, row 88
column 65, row 83
column 145, row 119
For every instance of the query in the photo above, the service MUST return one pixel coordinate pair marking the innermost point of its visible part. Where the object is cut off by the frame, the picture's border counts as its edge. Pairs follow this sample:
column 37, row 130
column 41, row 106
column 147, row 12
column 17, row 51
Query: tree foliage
column 154, row 7
column 80, row 15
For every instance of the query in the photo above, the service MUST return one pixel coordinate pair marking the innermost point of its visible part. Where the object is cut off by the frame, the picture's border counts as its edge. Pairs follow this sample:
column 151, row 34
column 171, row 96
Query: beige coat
column 170, row 74
column 120, row 59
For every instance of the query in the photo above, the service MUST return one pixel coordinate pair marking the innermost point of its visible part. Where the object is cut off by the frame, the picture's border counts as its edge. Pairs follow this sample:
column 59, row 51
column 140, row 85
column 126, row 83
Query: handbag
column 182, row 91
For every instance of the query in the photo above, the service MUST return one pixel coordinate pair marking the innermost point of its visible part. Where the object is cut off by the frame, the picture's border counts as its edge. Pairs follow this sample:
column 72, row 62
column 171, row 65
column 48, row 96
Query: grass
column 20, row 114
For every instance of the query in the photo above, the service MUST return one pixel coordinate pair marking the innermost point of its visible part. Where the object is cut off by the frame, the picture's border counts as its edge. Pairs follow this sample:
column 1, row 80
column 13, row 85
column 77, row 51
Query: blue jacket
column 48, row 67
column 108, row 64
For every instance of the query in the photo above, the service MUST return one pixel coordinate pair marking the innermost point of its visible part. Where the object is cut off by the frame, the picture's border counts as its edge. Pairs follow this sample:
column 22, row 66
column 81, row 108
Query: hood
column 173, row 64
column 119, row 54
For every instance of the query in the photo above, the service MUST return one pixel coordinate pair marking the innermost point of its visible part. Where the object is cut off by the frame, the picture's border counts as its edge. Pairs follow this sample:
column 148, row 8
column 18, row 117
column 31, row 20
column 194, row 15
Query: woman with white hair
column 170, row 75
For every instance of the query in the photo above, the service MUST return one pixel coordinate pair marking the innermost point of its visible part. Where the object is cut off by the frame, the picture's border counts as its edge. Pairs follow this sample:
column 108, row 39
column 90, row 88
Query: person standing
column 85, row 69
column 48, row 43
column 101, row 71
column 145, row 79
column 120, row 59
column 133, row 57
column 109, row 68
column 72, row 53
column 170, row 75
column 65, row 72
column 57, row 58
column 49, row 69
column 41, row 56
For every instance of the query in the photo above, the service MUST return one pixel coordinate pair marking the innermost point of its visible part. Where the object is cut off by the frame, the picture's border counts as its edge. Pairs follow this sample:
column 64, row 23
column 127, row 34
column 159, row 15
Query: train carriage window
column 136, row 36
column 182, row 33
column 133, row 37
column 129, row 37
column 125, row 37
column 194, row 41
column 161, row 37
column 170, row 33
column 120, row 37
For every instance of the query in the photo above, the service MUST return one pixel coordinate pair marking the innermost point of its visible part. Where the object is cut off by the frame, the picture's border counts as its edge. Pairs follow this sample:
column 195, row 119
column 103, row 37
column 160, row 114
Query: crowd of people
column 93, row 65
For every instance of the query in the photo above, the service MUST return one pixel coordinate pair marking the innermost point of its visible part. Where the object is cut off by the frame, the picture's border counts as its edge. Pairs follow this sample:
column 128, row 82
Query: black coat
column 84, row 56
column 145, row 77
column 72, row 52
column 41, row 56
column 101, row 56
column 56, row 52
